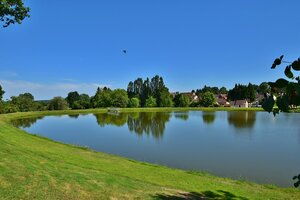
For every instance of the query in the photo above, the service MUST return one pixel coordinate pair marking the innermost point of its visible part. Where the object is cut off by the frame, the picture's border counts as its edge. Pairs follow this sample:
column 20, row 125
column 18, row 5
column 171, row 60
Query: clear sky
column 77, row 45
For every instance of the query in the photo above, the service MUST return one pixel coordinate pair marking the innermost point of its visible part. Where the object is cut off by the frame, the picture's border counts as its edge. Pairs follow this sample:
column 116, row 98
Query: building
column 239, row 104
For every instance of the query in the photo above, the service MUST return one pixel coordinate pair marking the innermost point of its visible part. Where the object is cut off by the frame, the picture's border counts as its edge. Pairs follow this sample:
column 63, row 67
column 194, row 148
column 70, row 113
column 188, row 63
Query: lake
column 244, row 145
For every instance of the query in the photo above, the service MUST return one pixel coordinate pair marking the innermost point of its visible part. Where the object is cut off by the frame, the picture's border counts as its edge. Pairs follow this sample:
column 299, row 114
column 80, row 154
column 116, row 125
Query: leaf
column 288, row 72
column 296, row 65
column 280, row 83
column 283, row 103
column 268, row 104
column 277, row 61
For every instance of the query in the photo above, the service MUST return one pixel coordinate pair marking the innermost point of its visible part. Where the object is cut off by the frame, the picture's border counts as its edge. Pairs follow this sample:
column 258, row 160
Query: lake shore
column 36, row 167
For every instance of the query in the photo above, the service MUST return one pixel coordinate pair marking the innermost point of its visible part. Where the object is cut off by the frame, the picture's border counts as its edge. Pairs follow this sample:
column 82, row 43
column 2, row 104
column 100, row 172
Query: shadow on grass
column 220, row 194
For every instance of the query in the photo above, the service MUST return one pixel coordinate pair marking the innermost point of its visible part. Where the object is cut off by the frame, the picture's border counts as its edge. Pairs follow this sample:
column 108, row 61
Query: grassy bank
column 32, row 167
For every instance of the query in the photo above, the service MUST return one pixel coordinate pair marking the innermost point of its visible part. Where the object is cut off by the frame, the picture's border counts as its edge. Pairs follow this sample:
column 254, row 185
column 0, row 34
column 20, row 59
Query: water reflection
column 208, row 117
column 25, row 122
column 242, row 119
column 118, row 119
column 75, row 116
column 182, row 115
column 148, row 123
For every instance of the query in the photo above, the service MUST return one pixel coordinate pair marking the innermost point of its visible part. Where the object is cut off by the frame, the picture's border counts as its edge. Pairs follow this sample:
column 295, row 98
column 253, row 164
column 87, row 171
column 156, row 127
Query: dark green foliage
column 58, row 103
column 102, row 98
column 145, row 89
column 268, row 103
column 150, row 102
column 134, row 103
column 240, row 92
column 207, row 99
column 223, row 90
column 182, row 100
column 24, row 102
column 287, row 92
column 214, row 90
column 264, row 88
column 83, row 102
column 72, row 98
column 119, row 98
column 1, row 93
column 12, row 11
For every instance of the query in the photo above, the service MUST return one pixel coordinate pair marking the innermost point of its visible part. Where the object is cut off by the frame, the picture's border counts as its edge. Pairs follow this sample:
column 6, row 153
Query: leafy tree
column 181, row 100
column 264, row 88
column 119, row 98
column 73, row 97
column 151, row 102
column 214, row 90
column 134, row 103
column 24, row 102
column 12, row 11
column 83, row 102
column 9, row 107
column 208, row 99
column 284, row 93
column 164, row 99
column 154, row 87
column 102, row 98
column 58, row 103
column 223, row 90
column 240, row 92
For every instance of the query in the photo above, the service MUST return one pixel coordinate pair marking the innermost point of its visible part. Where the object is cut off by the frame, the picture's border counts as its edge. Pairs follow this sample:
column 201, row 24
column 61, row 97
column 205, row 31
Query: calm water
column 251, row 146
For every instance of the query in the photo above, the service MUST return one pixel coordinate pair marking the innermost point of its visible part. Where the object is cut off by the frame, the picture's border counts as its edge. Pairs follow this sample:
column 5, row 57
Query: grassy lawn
column 33, row 167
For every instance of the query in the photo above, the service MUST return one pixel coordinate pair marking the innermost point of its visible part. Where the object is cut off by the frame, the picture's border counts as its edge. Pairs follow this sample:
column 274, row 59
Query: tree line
column 151, row 92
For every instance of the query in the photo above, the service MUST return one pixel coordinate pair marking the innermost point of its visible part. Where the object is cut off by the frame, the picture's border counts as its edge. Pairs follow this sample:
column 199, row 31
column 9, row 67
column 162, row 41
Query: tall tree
column 12, row 11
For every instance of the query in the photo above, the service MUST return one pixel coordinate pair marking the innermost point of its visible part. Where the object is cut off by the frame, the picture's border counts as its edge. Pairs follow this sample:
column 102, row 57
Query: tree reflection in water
column 118, row 119
column 148, row 123
column 184, row 115
column 208, row 117
column 242, row 119
column 25, row 122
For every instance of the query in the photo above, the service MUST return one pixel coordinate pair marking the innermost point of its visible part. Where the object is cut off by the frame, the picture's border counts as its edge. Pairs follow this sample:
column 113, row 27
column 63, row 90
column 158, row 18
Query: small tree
column 208, row 99
column 58, row 103
column 134, row 103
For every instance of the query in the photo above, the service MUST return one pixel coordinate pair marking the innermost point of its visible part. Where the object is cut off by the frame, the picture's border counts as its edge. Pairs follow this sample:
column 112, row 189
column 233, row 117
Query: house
column 239, row 104
column 193, row 96
column 222, row 100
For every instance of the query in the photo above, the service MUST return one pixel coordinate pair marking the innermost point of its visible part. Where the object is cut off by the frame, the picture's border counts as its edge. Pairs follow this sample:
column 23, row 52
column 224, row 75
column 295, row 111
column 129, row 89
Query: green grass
column 33, row 167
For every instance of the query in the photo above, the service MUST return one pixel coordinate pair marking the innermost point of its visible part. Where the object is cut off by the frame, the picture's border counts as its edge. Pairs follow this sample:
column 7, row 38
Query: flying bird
column 124, row 51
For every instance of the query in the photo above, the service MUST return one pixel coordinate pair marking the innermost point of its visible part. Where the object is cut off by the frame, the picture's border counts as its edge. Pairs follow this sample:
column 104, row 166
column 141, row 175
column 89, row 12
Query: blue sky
column 77, row 45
